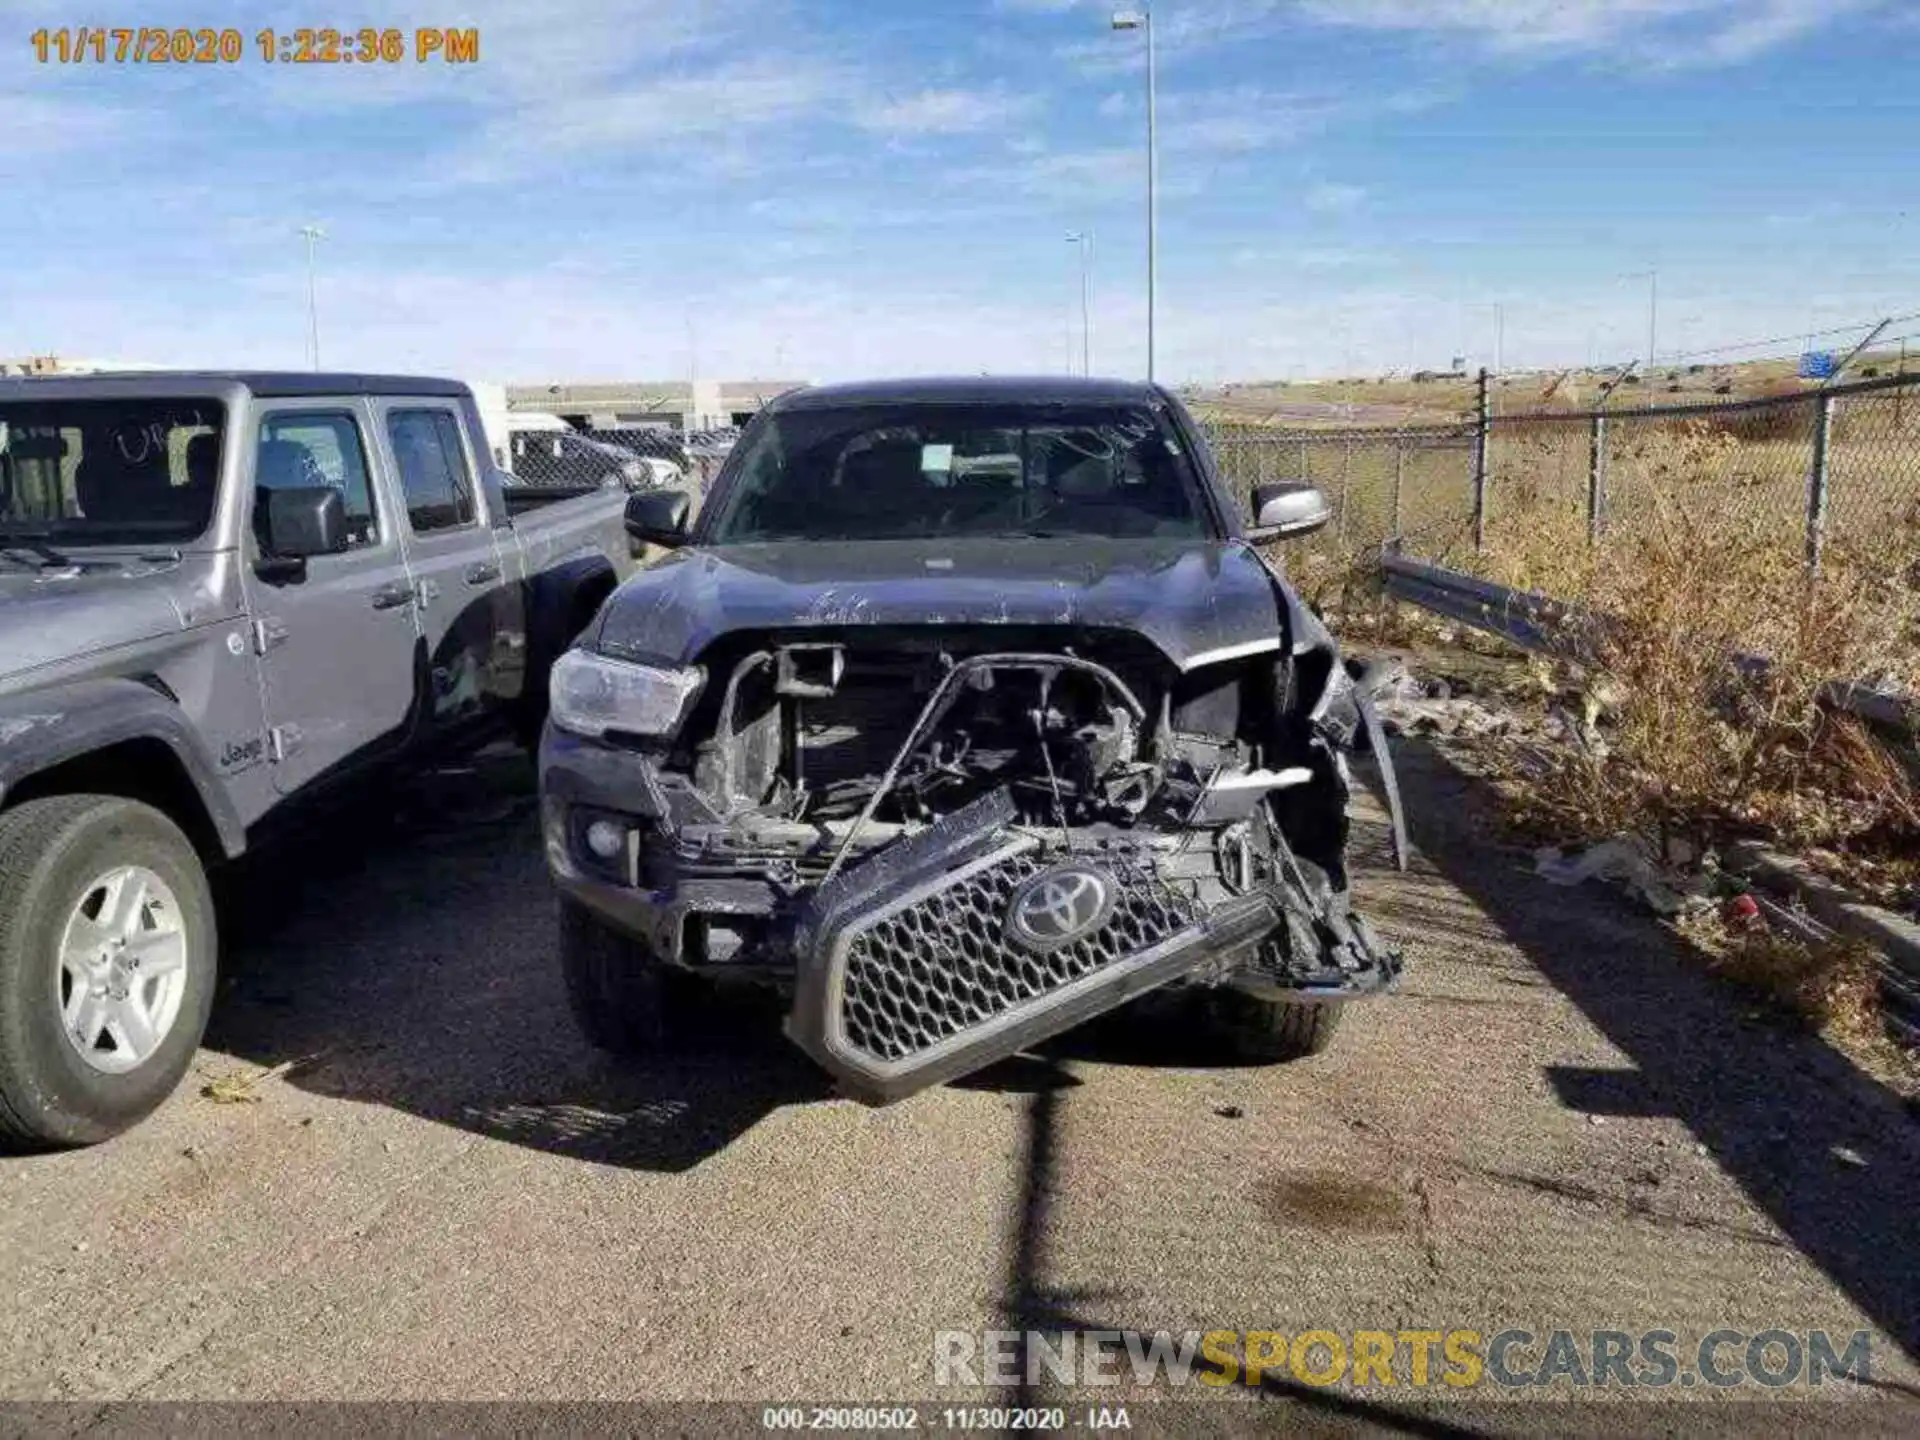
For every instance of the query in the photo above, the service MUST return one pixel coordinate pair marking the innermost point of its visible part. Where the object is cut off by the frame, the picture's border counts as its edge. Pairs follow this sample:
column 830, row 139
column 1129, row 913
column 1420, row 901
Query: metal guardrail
column 1548, row 626
column 1530, row 620
column 1540, row 623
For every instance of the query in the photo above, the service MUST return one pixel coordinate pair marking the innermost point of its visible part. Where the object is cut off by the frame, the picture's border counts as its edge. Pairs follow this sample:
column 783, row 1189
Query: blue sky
column 829, row 188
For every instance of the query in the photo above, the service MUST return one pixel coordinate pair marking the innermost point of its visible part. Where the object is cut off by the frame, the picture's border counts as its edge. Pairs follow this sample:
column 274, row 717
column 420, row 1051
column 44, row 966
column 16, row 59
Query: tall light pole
column 1142, row 19
column 1652, row 277
column 1084, row 239
column 312, row 233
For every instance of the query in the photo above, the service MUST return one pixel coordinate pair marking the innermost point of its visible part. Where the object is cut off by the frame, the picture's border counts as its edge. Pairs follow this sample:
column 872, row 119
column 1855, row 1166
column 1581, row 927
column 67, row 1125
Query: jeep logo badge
column 1059, row 906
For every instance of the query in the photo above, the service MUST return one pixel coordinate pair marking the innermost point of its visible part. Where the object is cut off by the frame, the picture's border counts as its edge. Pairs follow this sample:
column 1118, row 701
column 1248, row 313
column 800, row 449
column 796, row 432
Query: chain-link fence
column 1380, row 483
column 1830, row 468
column 634, row 459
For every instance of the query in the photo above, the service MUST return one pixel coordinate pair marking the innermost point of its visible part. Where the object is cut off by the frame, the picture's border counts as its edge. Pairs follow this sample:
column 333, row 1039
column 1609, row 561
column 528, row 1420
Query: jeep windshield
column 108, row 472
column 894, row 472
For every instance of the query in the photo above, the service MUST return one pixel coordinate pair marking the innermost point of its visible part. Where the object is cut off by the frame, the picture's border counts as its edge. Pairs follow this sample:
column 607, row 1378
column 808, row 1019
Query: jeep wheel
column 107, row 956
column 623, row 998
column 1271, row 1032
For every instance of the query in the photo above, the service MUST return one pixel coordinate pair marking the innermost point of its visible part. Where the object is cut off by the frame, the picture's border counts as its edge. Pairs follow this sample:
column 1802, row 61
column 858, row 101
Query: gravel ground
column 1559, row 1122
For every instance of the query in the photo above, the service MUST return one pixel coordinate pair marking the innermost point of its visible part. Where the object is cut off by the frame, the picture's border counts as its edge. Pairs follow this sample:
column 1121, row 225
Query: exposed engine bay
column 903, row 729
column 932, row 836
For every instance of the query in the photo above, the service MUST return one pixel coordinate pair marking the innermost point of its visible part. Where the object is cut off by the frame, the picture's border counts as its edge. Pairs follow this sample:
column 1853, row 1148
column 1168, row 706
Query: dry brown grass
column 1690, row 741
column 1831, row 986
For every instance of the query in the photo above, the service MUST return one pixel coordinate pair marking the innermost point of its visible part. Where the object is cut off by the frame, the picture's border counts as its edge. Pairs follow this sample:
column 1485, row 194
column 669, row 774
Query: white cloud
column 1280, row 257
column 1331, row 198
column 569, row 323
column 1077, row 175
column 624, row 121
column 1667, row 33
column 1242, row 118
column 1652, row 33
column 37, row 126
column 1275, row 310
column 946, row 112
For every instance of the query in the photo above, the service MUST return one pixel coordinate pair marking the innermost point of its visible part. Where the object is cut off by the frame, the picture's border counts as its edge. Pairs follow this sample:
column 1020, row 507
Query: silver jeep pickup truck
column 219, row 595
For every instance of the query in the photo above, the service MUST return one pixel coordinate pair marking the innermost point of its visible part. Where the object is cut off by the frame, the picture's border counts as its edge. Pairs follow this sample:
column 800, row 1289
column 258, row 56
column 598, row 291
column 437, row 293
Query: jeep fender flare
column 45, row 728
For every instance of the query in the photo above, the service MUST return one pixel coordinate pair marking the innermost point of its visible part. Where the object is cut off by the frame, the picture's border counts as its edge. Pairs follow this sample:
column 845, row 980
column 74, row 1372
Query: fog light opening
column 606, row 840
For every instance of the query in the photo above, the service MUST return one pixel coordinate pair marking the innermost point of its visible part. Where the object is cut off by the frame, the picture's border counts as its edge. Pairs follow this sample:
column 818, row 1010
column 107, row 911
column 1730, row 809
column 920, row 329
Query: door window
column 311, row 447
column 433, row 469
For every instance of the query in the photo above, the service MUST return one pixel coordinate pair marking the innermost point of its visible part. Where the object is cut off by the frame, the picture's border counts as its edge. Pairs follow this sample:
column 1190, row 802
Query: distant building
column 56, row 365
column 646, row 404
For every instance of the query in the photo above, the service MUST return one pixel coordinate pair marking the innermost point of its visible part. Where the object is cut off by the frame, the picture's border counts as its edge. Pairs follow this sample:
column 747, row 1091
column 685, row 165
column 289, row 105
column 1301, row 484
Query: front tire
column 1273, row 1032
column 108, row 953
column 624, row 998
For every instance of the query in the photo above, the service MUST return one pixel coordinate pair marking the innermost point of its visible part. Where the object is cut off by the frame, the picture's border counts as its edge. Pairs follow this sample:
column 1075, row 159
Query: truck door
column 453, row 557
column 337, row 645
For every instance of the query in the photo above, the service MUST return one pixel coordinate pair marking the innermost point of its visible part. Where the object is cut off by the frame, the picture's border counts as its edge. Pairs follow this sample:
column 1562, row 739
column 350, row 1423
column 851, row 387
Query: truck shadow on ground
column 1768, row 1103
column 401, row 951
column 1773, row 1105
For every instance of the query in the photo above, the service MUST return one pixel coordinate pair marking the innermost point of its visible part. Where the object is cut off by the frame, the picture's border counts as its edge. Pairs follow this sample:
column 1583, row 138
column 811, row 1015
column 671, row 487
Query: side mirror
column 1290, row 508
column 300, row 522
column 659, row 517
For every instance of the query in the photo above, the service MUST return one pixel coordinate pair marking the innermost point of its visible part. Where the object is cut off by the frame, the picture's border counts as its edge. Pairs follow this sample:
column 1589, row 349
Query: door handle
column 482, row 573
column 387, row 597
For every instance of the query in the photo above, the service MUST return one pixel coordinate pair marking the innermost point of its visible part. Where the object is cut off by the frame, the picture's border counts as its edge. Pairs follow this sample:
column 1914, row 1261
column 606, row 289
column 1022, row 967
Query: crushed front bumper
column 977, row 939
column 914, row 965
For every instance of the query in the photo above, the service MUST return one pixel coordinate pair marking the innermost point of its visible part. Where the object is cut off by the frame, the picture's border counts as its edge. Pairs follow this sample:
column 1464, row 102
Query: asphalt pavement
column 439, row 1191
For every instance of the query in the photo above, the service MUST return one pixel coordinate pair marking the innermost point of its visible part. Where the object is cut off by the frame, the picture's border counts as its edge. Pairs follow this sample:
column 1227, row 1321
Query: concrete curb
column 1896, row 937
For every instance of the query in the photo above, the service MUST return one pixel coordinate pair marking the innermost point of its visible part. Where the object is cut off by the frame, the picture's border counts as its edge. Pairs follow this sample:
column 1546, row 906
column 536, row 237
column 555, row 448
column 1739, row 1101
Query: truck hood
column 1196, row 600
column 61, row 613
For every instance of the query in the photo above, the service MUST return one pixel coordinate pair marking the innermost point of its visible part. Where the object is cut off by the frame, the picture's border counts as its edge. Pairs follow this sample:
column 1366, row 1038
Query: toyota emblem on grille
column 1058, row 906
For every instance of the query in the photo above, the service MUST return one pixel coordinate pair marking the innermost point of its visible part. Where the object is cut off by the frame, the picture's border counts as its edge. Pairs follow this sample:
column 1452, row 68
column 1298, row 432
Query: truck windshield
column 109, row 472
column 892, row 472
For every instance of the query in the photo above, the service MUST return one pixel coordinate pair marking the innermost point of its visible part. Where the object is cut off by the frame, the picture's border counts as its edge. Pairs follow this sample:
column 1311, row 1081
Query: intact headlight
column 590, row 695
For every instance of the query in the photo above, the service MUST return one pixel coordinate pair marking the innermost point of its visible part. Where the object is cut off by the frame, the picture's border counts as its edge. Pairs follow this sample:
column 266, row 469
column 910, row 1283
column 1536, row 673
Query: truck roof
column 973, row 390
column 264, row 383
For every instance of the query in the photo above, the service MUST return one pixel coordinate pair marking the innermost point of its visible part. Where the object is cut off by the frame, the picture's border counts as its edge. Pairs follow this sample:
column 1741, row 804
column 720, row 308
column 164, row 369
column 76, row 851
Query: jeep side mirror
column 659, row 517
column 1289, row 508
column 297, row 523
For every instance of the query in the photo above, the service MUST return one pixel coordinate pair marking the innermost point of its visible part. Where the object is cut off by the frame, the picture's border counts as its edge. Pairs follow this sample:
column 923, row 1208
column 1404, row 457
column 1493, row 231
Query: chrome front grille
column 945, row 962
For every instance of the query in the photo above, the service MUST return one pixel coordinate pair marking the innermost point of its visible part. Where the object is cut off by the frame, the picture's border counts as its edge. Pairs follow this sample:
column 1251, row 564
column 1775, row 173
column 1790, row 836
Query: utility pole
column 693, row 375
column 1142, row 19
column 312, row 233
column 1084, row 239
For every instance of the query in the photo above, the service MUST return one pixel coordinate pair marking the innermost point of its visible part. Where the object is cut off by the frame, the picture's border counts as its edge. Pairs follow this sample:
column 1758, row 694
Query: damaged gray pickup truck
column 967, row 710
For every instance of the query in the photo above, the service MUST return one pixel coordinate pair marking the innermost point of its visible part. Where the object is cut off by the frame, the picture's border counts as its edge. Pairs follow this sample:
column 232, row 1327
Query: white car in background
column 665, row 474
column 566, row 457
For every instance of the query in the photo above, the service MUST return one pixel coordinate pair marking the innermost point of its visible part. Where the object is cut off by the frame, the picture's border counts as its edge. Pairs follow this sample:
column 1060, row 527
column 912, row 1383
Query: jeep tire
column 101, row 899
